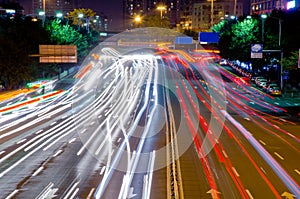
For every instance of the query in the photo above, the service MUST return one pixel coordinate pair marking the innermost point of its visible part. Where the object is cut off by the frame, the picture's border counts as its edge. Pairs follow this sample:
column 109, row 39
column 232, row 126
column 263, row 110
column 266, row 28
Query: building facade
column 53, row 6
column 132, row 8
column 266, row 6
column 203, row 19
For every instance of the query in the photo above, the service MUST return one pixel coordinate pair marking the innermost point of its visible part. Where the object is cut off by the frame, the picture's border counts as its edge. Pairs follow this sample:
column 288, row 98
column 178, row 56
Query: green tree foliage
column 155, row 21
column 245, row 33
column 66, row 35
column 290, row 63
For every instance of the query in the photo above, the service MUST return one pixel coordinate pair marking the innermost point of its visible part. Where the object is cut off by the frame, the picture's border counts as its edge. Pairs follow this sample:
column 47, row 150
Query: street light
column 59, row 15
column 161, row 9
column 42, row 15
column 80, row 16
column 263, row 17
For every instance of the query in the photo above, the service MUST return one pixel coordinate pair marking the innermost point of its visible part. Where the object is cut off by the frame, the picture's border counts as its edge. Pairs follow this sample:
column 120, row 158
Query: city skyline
column 114, row 13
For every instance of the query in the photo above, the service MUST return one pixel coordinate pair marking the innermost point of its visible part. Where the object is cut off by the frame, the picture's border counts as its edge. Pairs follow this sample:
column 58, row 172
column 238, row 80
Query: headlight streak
column 108, row 172
column 100, row 108
column 132, row 166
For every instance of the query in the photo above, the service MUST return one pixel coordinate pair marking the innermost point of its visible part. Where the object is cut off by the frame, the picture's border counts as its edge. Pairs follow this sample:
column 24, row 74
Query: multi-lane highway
column 149, row 123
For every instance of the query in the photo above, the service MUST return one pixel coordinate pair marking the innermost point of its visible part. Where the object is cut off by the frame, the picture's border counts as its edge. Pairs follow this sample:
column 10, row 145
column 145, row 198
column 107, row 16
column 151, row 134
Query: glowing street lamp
column 80, row 16
column 263, row 17
column 161, row 9
column 42, row 15
column 59, row 15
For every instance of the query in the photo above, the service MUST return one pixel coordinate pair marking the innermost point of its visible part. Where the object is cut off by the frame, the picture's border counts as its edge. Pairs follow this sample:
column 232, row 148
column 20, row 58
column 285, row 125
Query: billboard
column 58, row 53
column 208, row 37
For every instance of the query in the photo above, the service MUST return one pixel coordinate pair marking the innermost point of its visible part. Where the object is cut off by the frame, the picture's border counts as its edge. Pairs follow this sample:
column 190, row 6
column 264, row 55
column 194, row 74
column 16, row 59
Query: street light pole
column 212, row 13
column 161, row 9
column 44, row 10
column 263, row 17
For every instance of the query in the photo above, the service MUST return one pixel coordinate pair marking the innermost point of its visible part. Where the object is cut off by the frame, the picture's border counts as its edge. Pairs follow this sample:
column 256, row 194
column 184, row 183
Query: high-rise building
column 53, row 6
column 133, row 8
column 203, row 18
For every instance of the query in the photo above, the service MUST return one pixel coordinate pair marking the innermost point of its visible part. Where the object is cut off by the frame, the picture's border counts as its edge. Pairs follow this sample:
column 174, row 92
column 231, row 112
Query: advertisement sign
column 58, row 53
column 256, row 51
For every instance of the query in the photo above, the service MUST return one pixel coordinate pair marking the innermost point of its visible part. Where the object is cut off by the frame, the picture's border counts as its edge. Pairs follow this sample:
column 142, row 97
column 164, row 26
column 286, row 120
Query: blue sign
column 208, row 37
column 183, row 40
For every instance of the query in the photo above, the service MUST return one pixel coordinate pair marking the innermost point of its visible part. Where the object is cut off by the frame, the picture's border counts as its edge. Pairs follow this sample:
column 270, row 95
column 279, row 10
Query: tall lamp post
column 263, row 17
column 161, row 9
column 80, row 16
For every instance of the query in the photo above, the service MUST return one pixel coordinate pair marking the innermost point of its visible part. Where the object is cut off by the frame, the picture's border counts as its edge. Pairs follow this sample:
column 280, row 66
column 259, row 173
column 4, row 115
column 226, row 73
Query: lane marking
column 279, row 155
column 102, row 170
column 262, row 142
column 91, row 193
column 236, row 173
column 224, row 153
column 19, row 142
column 297, row 171
column 12, row 194
column 263, row 170
column 249, row 194
column 57, row 153
column 38, row 171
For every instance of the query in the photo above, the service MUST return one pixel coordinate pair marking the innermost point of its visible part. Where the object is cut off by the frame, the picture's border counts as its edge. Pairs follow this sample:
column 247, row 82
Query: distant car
column 223, row 62
column 269, row 85
column 274, row 91
column 261, row 82
column 257, row 79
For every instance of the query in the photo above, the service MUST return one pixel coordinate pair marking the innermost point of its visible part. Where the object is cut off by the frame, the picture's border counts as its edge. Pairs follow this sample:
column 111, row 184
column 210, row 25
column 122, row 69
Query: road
column 150, row 123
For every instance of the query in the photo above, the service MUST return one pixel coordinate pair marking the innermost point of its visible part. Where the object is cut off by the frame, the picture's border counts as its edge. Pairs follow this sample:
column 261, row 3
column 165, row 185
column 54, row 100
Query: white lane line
column 263, row 170
column 90, row 194
column 38, row 171
column 39, row 131
column 72, row 140
column 23, row 140
column 102, row 170
column 74, row 194
column 71, row 190
column 249, row 194
column 57, row 153
column 2, row 152
column 53, row 123
column 262, row 142
column 234, row 170
column 297, row 171
column 225, row 154
column 277, row 154
column 12, row 194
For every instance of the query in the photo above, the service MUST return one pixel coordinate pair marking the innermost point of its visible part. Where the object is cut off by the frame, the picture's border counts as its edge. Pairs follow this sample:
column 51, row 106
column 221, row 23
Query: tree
column 74, row 16
column 244, row 34
column 155, row 21
column 66, row 35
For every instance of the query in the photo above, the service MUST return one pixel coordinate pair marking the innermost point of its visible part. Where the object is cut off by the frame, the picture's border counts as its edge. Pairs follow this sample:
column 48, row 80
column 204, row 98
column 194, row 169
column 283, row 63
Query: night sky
column 111, row 8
